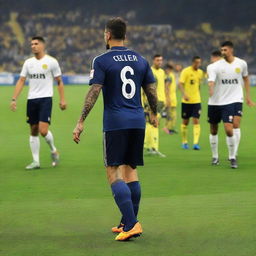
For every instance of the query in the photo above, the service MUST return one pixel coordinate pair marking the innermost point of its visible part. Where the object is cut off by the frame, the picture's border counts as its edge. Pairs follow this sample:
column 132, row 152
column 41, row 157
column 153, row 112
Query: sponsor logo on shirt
column 44, row 66
column 229, row 81
column 37, row 76
column 237, row 70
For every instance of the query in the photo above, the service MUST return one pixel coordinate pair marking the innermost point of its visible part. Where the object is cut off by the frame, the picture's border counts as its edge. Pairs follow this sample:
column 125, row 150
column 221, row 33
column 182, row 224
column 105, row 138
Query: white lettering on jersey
column 125, row 57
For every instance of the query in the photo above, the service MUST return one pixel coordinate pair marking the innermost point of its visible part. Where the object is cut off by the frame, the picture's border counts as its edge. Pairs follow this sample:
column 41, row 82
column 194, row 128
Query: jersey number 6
column 127, row 81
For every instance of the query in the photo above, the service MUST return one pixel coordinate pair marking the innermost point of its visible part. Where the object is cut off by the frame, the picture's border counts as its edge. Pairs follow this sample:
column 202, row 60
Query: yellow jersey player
column 189, row 84
column 151, row 143
column 171, row 100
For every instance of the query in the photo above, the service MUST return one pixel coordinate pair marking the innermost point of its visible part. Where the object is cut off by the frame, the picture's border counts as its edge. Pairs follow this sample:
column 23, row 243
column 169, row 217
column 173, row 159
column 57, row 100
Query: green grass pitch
column 189, row 208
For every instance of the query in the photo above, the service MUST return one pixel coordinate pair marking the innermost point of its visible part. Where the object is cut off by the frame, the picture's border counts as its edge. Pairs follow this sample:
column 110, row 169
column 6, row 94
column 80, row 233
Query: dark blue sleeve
column 148, row 77
column 97, row 74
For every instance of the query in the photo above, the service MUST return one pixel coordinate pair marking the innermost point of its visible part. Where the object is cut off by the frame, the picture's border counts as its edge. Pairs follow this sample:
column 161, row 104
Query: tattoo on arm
column 90, row 100
column 150, row 91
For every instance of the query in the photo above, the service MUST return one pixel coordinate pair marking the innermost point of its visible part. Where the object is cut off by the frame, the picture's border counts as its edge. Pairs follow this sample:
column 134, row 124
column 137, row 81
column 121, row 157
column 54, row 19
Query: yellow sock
column 173, row 114
column 168, row 122
column 184, row 133
column 155, row 137
column 148, row 137
column 196, row 133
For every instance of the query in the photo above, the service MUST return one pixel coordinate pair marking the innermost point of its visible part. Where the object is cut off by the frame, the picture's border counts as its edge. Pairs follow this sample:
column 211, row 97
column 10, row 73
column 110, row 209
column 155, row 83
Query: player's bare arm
column 249, row 102
column 211, row 88
column 63, row 104
column 181, row 87
column 89, row 102
column 150, row 91
column 18, row 88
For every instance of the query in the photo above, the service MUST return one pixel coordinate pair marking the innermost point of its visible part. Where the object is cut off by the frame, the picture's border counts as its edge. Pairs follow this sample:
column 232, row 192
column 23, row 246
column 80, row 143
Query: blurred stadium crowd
column 74, row 39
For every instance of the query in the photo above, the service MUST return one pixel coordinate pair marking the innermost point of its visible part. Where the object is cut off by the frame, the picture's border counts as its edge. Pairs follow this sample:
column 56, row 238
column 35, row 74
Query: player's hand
column 63, row 105
column 250, row 103
column 13, row 105
column 153, row 119
column 211, row 91
column 185, row 97
column 77, row 131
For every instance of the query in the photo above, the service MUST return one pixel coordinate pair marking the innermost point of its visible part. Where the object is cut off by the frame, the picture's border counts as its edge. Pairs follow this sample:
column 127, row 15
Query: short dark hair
column 157, row 56
column 216, row 53
column 227, row 43
column 39, row 38
column 195, row 58
column 169, row 66
column 117, row 28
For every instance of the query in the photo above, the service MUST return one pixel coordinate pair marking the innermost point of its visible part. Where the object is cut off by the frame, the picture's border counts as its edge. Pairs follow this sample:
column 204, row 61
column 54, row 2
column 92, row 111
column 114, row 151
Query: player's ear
column 108, row 35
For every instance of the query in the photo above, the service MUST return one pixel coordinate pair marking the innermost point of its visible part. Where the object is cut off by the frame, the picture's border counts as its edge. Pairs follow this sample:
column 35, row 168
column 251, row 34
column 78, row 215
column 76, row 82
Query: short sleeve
column 211, row 72
column 97, row 74
column 183, row 76
column 168, row 79
column 56, row 69
column 24, row 71
column 148, row 77
column 245, row 69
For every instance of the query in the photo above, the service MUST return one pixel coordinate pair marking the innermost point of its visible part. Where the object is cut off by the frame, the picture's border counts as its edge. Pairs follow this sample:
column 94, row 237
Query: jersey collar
column 118, row 48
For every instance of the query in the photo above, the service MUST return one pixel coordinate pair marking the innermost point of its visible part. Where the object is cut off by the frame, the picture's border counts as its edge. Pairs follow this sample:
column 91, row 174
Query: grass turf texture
column 188, row 208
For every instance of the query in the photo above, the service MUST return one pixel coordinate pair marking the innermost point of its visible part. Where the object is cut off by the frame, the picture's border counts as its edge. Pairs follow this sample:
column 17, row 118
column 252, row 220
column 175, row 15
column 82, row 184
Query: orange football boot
column 134, row 232
column 118, row 229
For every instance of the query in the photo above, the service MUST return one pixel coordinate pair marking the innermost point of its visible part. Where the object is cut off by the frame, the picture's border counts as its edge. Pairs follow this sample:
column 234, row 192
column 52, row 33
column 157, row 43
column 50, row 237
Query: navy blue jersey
column 121, row 72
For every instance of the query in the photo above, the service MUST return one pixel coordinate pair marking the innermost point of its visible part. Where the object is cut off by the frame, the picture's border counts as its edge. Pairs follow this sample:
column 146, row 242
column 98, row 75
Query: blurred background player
column 189, row 84
column 226, row 78
column 151, row 143
column 120, row 73
column 171, row 100
column 215, row 56
column 41, row 70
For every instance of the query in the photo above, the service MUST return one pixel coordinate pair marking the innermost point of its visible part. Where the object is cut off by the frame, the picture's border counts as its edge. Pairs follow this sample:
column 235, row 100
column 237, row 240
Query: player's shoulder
column 50, row 58
column 186, row 69
column 101, row 58
column 239, row 60
column 189, row 68
column 209, row 66
column 29, row 60
column 218, row 63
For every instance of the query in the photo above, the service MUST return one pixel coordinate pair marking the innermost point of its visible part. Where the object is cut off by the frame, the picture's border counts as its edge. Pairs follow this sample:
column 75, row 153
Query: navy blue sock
column 135, row 196
column 122, row 195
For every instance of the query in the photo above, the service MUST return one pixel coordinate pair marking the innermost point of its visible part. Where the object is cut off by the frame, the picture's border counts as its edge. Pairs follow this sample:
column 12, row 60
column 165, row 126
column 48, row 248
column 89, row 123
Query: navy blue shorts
column 224, row 113
column 39, row 110
column 190, row 110
column 124, row 147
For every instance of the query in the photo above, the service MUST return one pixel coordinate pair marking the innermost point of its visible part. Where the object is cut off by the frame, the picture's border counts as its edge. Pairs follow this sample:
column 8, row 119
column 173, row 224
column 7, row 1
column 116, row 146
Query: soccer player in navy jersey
column 120, row 73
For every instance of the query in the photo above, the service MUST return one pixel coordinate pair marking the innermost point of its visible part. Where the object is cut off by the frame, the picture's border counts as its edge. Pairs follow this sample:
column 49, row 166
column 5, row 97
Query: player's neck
column 115, row 43
column 230, row 59
column 39, row 55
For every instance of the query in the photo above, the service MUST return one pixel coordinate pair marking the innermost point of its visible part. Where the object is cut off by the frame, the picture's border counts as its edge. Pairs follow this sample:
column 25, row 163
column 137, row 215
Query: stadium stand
column 75, row 39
